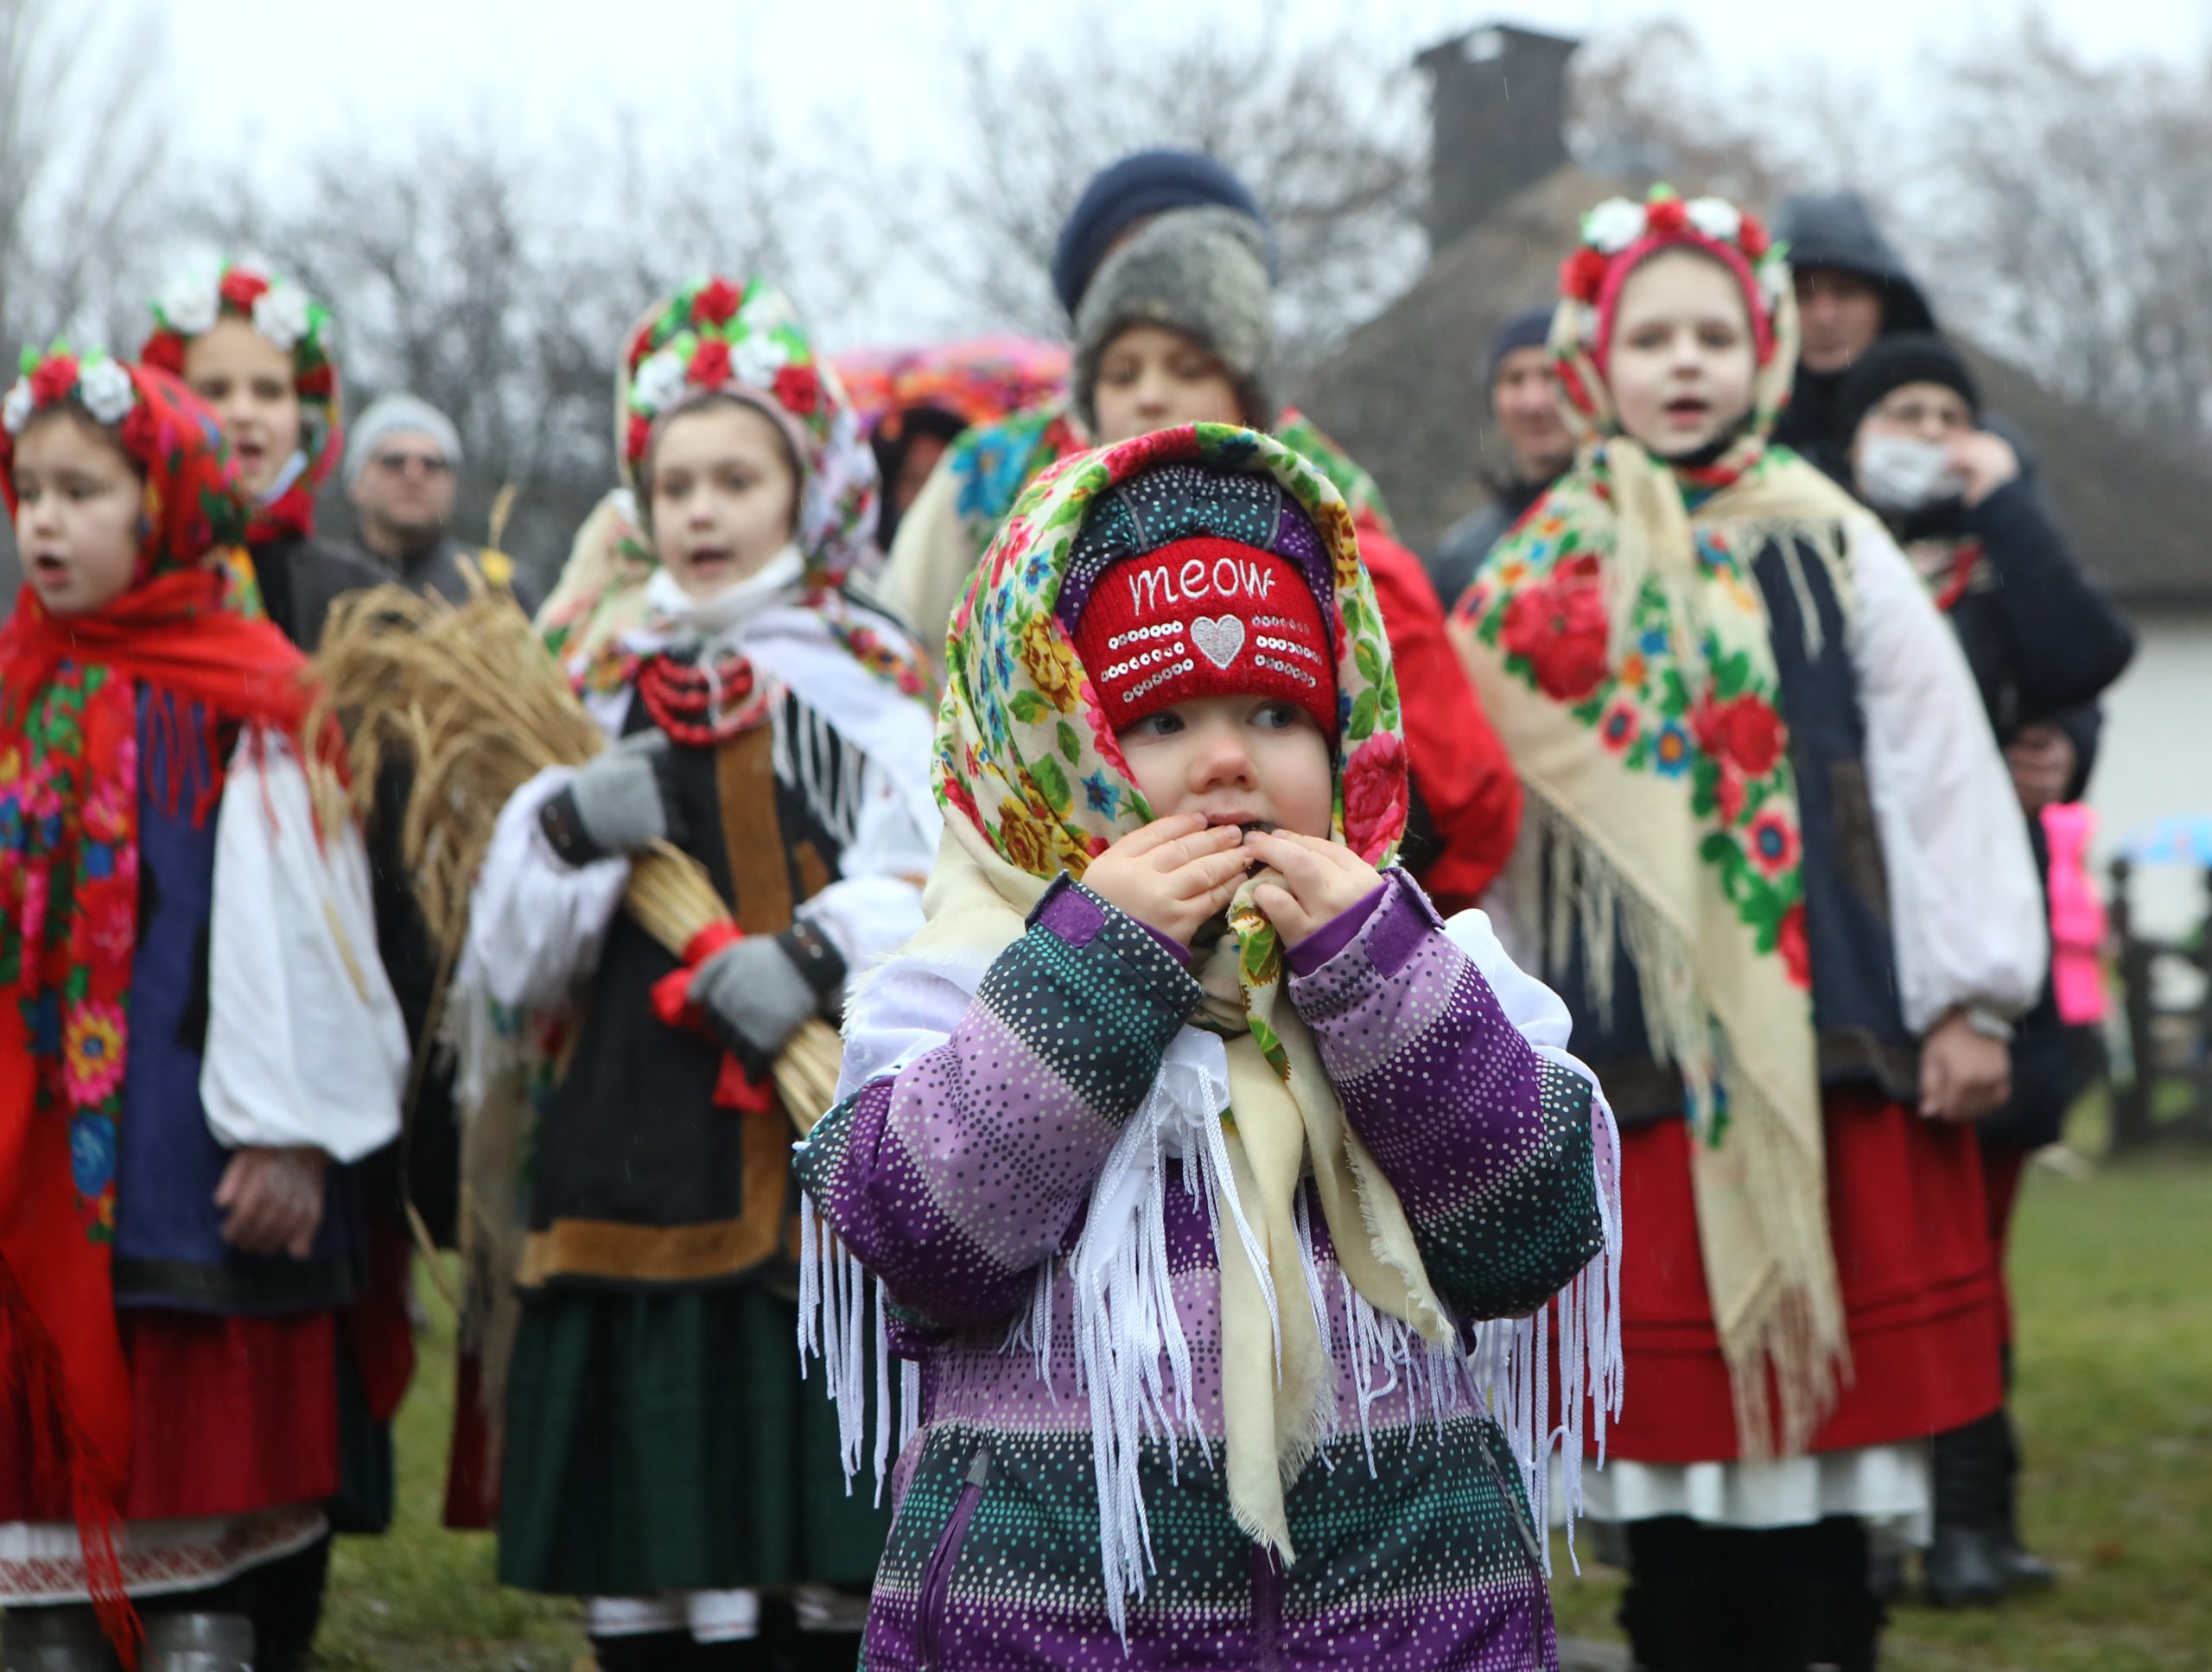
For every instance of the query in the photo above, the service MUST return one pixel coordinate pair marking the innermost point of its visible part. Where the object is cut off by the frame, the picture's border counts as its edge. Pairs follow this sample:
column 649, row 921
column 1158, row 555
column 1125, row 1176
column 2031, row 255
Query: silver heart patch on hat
column 1218, row 638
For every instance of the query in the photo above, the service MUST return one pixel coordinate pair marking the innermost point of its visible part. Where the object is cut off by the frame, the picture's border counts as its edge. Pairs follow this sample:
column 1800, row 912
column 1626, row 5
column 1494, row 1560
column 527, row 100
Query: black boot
column 198, row 1643
column 1828, row 1614
column 66, row 1638
column 1675, row 1610
column 1964, row 1566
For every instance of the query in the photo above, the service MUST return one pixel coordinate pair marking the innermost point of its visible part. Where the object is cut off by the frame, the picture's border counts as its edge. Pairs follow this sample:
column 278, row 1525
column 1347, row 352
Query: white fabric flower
column 279, row 314
column 189, row 302
column 16, row 412
column 1774, row 282
column 1586, row 324
column 755, row 359
column 659, row 383
column 1614, row 226
column 1718, row 218
column 104, row 388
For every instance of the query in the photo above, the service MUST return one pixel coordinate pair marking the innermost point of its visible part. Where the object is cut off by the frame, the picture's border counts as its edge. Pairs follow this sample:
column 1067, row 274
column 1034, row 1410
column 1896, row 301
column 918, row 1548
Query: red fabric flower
column 140, row 432
column 1375, row 795
column 1751, row 237
column 55, row 377
column 316, row 384
column 709, row 367
column 798, row 389
column 1744, row 732
column 164, row 351
column 1561, row 628
column 241, row 290
column 1582, row 275
column 641, row 344
column 1796, row 953
column 717, row 302
column 1666, row 218
column 641, row 432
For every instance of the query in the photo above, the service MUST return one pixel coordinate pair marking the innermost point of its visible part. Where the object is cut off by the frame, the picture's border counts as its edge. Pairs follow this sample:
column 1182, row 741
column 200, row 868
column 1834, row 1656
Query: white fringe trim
column 1133, row 1358
column 1512, row 1358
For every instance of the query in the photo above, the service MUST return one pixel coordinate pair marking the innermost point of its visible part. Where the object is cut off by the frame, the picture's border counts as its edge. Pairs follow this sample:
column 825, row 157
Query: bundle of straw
column 468, row 698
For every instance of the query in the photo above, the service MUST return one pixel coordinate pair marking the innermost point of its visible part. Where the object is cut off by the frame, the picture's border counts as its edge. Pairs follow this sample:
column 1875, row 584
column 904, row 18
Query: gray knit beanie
column 1202, row 271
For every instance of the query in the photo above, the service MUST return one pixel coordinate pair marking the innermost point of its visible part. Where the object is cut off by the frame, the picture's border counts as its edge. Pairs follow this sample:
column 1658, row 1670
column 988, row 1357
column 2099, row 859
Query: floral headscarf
column 1026, row 755
column 720, row 336
column 1618, row 639
column 69, row 881
column 281, row 310
column 1033, row 782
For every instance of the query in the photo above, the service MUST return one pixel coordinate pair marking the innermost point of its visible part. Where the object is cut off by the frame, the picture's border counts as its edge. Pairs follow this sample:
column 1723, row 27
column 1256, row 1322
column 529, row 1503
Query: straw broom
column 468, row 695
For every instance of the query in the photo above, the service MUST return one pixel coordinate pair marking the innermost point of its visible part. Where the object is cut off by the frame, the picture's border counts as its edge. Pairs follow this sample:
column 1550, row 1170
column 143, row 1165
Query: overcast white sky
column 261, row 81
column 284, row 74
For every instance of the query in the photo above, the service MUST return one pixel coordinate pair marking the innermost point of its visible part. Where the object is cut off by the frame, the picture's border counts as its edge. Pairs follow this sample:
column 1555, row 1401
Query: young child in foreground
column 1211, row 1116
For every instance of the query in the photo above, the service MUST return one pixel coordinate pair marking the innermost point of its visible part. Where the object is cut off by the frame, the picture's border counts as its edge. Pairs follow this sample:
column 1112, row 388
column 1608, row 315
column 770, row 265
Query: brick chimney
column 1498, row 104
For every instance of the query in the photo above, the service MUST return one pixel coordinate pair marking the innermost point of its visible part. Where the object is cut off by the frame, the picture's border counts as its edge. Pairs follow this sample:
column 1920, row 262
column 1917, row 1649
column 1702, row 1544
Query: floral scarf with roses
column 1619, row 642
column 1033, row 783
column 70, row 689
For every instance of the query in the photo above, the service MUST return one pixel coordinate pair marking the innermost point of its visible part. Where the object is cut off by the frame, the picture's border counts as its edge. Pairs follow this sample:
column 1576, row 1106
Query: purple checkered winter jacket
column 957, row 1177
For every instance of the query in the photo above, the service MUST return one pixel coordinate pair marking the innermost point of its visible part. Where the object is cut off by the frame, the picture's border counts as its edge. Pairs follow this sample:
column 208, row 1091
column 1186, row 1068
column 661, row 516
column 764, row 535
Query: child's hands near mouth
column 1174, row 874
column 1319, row 880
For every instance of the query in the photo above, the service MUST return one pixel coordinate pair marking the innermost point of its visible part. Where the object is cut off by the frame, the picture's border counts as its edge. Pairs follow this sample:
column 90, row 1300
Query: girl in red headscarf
column 187, row 954
column 256, row 346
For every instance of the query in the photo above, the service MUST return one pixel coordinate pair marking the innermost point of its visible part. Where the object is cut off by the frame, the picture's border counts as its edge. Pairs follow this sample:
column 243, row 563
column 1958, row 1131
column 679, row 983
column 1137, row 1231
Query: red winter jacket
column 1460, row 772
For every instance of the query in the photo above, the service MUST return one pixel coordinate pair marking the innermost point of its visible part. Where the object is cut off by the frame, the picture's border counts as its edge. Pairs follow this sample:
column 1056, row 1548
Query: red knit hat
column 1205, row 617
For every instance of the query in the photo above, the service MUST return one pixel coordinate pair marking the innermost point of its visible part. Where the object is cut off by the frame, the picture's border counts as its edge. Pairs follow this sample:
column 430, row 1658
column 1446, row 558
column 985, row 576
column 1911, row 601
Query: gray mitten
column 758, row 990
column 612, row 806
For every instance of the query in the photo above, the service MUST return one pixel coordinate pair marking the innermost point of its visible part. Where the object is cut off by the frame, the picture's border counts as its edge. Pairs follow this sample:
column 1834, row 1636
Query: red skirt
column 1907, row 1215
column 227, row 1415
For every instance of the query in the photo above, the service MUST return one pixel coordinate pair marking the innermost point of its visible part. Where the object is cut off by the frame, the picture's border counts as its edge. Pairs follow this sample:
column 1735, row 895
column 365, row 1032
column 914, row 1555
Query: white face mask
column 1897, row 473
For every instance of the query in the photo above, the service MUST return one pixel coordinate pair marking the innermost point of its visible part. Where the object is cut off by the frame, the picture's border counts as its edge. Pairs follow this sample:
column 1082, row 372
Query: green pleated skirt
column 663, row 1441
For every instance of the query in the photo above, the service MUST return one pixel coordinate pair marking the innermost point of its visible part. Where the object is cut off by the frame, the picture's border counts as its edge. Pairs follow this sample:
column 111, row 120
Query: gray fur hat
column 1202, row 271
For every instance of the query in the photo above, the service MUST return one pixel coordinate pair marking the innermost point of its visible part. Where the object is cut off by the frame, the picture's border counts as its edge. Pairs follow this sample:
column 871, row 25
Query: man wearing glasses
column 400, row 472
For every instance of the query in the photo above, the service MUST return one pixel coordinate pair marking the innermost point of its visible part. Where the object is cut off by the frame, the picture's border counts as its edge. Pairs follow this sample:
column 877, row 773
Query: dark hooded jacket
column 1837, row 230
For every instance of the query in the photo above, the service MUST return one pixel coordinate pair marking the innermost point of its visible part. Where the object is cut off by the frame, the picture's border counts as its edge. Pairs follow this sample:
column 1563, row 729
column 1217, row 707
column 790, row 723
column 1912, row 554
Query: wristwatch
column 1989, row 1024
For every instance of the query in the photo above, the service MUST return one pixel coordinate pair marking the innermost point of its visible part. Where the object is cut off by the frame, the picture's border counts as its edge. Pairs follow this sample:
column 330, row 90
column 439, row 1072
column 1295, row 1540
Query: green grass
column 2115, row 1405
column 422, row 1598
column 2112, row 1281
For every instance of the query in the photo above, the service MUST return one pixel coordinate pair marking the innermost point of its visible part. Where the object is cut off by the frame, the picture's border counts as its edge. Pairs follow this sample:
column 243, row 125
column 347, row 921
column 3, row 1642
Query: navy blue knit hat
column 1144, row 183
column 1529, row 329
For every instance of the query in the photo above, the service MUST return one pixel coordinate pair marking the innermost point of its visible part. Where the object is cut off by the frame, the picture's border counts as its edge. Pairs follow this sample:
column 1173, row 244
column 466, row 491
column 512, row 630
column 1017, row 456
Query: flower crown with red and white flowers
column 1618, row 225
column 714, row 335
column 95, row 380
column 278, row 307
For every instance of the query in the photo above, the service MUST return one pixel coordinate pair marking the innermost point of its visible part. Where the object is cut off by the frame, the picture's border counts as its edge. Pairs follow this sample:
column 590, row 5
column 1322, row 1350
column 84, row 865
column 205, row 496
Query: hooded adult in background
column 1169, row 243
column 1853, row 288
column 1517, row 388
column 402, row 464
column 2044, row 643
